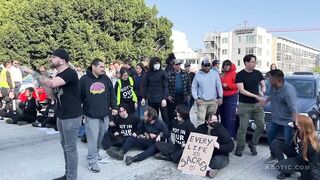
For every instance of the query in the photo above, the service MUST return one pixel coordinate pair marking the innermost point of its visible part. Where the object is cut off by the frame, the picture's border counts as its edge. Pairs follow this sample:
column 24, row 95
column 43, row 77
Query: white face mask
column 156, row 66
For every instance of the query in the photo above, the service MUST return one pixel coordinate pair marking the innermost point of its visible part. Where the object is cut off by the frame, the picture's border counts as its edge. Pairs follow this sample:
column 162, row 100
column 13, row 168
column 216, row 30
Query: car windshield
column 304, row 88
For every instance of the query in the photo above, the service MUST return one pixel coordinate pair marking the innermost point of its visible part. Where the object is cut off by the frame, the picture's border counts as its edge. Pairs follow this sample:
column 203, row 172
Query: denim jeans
column 228, row 113
column 139, row 112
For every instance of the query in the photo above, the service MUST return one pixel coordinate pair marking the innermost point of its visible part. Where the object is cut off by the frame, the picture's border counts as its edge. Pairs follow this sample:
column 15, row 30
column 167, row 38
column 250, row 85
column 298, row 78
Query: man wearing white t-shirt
column 16, row 76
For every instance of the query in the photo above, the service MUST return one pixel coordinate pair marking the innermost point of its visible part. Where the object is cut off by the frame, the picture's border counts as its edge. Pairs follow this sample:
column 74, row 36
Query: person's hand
column 163, row 103
column 135, row 106
column 183, row 145
column 219, row 101
column 153, row 136
column 143, row 102
column 261, row 94
column 262, row 101
column 224, row 85
column 112, row 124
column 116, row 134
column 114, row 112
column 134, row 135
column 291, row 124
column 199, row 102
column 158, row 138
column 146, row 136
column 170, row 99
column 216, row 145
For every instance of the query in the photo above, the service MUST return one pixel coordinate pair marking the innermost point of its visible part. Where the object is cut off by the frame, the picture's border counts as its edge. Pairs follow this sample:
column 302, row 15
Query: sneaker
column 253, row 149
column 283, row 175
column 10, row 121
column 238, row 152
column 84, row 139
column 161, row 156
column 36, row 124
column 1, row 118
column 94, row 168
column 270, row 160
column 103, row 161
column 212, row 173
column 61, row 178
column 119, row 155
column 130, row 160
column 21, row 123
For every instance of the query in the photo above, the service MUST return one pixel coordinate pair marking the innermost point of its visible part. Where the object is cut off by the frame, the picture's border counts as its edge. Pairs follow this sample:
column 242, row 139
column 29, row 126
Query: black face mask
column 213, row 124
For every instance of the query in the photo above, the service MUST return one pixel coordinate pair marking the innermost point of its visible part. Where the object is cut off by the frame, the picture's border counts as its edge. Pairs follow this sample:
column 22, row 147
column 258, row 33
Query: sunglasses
column 207, row 65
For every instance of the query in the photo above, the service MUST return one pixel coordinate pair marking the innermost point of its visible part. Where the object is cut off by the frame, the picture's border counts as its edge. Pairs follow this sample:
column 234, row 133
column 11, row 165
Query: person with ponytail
column 302, row 155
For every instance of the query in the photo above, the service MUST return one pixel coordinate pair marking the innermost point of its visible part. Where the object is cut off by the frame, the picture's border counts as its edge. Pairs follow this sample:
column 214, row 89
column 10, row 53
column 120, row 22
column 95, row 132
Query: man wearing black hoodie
column 224, row 145
column 98, row 97
column 150, row 130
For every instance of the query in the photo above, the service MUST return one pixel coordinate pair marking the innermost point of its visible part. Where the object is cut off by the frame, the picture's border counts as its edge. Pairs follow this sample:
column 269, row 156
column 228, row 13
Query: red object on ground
column 41, row 92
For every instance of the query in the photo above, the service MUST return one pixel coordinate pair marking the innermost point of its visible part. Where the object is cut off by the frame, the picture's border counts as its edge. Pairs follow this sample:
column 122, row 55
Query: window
column 224, row 51
column 259, row 51
column 278, row 47
column 250, row 39
column 268, row 64
column 239, row 50
column 239, row 39
column 239, row 62
column 278, row 56
column 249, row 50
column 260, row 39
column 224, row 40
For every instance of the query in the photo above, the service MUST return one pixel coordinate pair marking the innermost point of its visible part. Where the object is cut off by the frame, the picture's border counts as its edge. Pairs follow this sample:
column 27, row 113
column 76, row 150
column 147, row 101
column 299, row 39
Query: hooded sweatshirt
column 224, row 139
column 97, row 95
column 159, row 127
column 156, row 86
column 230, row 79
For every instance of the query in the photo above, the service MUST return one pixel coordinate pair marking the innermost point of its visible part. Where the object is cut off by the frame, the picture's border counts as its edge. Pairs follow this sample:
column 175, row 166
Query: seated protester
column 225, row 145
column 150, row 130
column 123, row 126
column 181, row 128
column 29, row 109
column 48, row 117
column 302, row 154
column 9, row 108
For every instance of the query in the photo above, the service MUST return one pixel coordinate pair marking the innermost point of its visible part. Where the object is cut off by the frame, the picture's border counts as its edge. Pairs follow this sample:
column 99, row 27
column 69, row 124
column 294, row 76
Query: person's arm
column 263, row 86
column 165, row 85
column 9, row 80
column 226, row 145
column 291, row 101
column 245, row 92
column 194, row 87
column 54, row 82
column 82, row 89
column 219, row 87
column 113, row 99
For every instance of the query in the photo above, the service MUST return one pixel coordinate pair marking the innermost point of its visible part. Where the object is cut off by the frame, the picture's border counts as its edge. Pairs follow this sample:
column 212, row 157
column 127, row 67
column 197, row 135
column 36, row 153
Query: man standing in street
column 284, row 109
column 216, row 65
column 6, row 81
column 98, row 97
column 207, row 91
column 66, row 88
column 16, row 76
column 187, row 67
column 248, row 81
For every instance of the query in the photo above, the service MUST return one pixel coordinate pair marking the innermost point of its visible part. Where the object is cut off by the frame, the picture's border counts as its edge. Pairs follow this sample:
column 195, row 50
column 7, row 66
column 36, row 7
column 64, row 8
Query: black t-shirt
column 68, row 95
column 182, row 131
column 128, row 126
column 251, row 83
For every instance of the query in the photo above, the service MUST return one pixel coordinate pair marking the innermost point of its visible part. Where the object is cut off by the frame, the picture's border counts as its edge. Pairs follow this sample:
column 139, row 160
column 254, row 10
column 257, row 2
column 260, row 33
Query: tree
column 106, row 29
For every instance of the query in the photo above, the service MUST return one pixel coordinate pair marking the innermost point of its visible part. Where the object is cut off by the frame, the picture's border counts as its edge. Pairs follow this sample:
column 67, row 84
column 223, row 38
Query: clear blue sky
column 198, row 17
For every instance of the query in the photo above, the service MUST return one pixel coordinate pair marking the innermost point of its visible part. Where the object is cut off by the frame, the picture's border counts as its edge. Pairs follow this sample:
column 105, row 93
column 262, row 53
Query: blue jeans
column 228, row 114
column 140, row 111
column 272, row 132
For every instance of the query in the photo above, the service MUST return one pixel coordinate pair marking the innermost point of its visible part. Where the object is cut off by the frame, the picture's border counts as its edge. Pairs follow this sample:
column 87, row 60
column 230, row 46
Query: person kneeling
column 181, row 128
column 224, row 145
column 150, row 130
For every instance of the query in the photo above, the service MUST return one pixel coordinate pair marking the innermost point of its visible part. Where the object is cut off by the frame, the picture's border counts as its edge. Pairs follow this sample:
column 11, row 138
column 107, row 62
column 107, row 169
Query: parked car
column 308, row 99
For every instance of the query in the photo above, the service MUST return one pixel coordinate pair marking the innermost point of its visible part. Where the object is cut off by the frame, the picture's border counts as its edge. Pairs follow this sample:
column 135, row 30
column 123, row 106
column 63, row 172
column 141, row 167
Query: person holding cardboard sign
column 181, row 128
column 223, row 146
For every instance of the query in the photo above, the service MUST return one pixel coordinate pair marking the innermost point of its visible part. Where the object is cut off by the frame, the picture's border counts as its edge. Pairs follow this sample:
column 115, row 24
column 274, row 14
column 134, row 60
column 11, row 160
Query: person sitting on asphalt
column 121, row 128
column 181, row 128
column 224, row 145
column 8, row 108
column 48, row 117
column 150, row 130
column 29, row 110
column 302, row 155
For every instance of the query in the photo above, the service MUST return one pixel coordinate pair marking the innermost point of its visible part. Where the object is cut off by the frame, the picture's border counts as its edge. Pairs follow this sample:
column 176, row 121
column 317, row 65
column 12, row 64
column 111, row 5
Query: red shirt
column 229, row 78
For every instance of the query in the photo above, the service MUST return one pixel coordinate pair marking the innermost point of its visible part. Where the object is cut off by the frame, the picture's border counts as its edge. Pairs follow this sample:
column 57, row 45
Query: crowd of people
column 120, row 109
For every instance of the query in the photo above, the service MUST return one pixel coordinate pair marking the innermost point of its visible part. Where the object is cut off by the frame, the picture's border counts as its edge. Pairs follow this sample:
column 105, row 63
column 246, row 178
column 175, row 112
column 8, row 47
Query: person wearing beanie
column 98, row 97
column 123, row 126
column 65, row 86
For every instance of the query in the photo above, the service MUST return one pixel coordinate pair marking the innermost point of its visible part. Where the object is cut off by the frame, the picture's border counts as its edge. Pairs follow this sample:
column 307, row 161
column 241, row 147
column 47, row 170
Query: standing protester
column 6, row 79
column 121, row 128
column 179, row 89
column 216, row 65
column 169, row 61
column 284, row 108
column 129, row 67
column 67, row 90
column 224, row 145
column 16, row 76
column 273, row 66
column 302, row 155
column 124, row 91
column 248, row 81
column 207, row 90
column 156, row 88
column 181, row 128
column 150, row 130
column 230, row 97
column 97, row 96
column 191, row 75
column 139, row 80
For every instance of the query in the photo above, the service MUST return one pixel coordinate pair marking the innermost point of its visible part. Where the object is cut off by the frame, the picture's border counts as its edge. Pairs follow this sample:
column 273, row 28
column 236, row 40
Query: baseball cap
column 215, row 62
column 177, row 61
column 205, row 62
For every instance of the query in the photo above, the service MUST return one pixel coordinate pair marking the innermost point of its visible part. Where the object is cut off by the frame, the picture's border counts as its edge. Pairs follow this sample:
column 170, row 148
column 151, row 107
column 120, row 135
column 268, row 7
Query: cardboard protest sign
column 197, row 154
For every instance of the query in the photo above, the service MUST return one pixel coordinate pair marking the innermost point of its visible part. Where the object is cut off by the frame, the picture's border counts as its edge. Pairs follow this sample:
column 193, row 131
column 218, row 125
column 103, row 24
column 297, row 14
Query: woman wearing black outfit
column 302, row 155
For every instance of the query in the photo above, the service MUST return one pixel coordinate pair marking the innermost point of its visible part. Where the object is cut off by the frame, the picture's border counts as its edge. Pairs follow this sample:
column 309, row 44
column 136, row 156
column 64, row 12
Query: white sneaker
column 103, row 161
column 271, row 160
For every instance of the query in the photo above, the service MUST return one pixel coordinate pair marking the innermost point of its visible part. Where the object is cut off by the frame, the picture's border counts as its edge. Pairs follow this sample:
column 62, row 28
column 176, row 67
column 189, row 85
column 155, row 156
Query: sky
column 196, row 18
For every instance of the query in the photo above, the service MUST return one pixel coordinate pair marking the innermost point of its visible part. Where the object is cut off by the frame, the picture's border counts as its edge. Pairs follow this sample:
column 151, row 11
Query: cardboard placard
column 197, row 154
